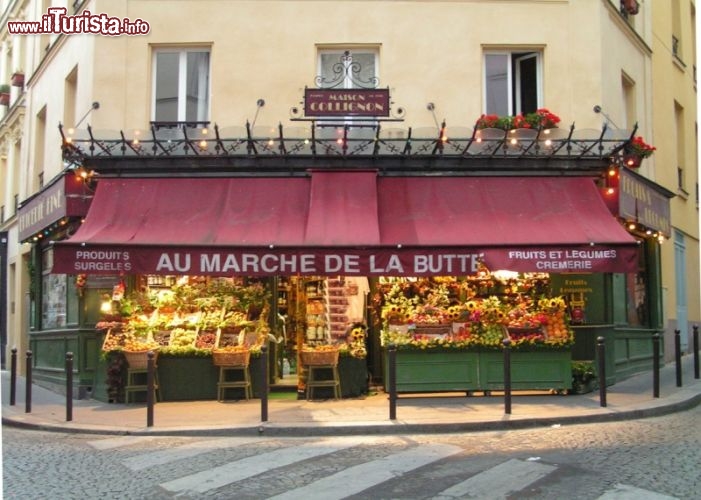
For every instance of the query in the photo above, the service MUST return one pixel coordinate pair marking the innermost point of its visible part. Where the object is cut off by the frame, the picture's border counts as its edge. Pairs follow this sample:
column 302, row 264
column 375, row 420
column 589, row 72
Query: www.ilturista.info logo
column 56, row 20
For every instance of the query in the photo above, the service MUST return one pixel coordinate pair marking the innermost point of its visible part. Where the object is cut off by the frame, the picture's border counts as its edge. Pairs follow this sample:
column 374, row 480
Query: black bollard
column 507, row 376
column 150, row 387
column 601, row 355
column 264, row 378
column 678, row 356
column 13, row 377
column 69, row 386
column 392, row 381
column 656, row 365
column 696, row 351
column 28, row 385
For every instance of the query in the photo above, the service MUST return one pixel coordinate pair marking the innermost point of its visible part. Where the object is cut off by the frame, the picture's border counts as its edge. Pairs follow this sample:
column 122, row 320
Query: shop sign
column 642, row 203
column 348, row 262
column 346, row 102
column 63, row 198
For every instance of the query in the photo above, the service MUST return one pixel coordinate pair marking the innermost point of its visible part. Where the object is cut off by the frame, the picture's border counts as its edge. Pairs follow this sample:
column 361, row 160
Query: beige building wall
column 429, row 52
column 675, row 135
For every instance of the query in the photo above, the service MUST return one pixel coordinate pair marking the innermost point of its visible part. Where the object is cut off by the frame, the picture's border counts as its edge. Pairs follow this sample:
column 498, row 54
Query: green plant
column 639, row 147
column 4, row 88
column 583, row 376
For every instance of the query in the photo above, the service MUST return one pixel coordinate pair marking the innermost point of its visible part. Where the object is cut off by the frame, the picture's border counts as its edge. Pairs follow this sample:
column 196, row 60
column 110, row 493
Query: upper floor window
column 181, row 85
column 513, row 82
column 347, row 69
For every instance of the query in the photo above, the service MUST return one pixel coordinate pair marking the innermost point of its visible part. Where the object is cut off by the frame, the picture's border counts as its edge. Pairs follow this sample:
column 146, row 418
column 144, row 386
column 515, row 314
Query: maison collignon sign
column 346, row 102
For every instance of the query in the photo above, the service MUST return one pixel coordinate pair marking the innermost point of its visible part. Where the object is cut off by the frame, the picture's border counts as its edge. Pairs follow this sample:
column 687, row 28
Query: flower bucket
column 632, row 160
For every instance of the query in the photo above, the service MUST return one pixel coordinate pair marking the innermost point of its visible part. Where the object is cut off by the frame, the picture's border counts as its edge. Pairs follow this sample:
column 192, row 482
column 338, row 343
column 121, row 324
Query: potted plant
column 17, row 79
column 4, row 94
column 635, row 151
column 583, row 377
column 632, row 7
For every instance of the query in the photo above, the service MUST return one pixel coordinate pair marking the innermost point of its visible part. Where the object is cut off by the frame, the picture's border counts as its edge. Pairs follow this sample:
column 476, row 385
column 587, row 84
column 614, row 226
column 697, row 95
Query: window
column 512, row 82
column 347, row 69
column 181, row 85
column 638, row 306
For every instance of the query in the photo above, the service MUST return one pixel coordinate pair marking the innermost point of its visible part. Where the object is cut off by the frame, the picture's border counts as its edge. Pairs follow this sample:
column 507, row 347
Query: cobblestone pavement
column 650, row 458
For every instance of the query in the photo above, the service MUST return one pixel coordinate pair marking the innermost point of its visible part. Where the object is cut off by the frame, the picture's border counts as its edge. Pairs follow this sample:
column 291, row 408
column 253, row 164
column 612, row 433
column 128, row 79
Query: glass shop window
column 638, row 297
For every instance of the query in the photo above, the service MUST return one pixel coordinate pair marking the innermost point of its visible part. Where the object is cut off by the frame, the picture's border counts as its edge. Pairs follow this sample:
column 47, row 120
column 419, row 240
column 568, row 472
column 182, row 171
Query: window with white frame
column 347, row 68
column 512, row 82
column 181, row 85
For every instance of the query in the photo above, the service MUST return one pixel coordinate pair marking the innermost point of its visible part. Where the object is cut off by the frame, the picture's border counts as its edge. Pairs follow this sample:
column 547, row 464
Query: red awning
column 352, row 223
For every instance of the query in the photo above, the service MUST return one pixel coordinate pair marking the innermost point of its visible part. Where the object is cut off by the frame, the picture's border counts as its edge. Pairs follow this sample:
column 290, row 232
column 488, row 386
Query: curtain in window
column 197, row 86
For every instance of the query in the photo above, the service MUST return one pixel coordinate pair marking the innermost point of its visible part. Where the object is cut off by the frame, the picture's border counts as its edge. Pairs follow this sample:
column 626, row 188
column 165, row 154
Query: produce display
column 191, row 317
column 482, row 312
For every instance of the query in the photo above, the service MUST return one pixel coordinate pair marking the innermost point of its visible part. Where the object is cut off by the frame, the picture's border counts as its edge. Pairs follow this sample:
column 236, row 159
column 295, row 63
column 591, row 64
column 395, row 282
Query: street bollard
column 150, row 387
column 264, row 378
column 69, row 386
column 28, row 385
column 696, row 351
column 13, row 377
column 507, row 376
column 678, row 356
column 601, row 355
column 392, row 381
column 656, row 365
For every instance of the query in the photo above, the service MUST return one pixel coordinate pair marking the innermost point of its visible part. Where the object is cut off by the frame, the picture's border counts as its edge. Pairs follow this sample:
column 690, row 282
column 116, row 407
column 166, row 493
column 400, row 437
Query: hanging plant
column 635, row 151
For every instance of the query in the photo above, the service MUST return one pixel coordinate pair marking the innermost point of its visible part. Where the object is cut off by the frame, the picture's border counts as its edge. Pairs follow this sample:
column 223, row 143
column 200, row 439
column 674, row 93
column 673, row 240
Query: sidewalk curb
column 508, row 422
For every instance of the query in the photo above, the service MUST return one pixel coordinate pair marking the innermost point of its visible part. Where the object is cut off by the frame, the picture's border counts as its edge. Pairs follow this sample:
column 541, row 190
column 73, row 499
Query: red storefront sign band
column 347, row 262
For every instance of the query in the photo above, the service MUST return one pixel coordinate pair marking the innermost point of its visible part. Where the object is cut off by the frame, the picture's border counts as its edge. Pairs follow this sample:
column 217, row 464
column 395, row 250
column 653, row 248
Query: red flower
column 639, row 147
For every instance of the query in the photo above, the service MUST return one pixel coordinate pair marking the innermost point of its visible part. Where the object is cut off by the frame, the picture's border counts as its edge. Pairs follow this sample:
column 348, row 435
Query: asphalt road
column 651, row 458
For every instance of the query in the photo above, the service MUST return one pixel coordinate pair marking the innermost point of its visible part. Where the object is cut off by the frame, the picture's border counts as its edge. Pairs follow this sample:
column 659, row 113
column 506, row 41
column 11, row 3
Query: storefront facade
column 441, row 170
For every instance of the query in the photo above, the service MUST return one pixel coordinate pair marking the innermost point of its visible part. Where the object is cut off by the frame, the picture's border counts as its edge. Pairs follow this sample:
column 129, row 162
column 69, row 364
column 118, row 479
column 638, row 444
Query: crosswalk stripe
column 363, row 476
column 251, row 466
column 625, row 492
column 119, row 442
column 497, row 482
column 189, row 450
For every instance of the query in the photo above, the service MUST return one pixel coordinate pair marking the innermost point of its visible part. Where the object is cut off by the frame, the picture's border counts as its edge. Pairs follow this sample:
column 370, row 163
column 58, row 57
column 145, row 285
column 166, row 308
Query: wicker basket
column 138, row 360
column 319, row 357
column 226, row 358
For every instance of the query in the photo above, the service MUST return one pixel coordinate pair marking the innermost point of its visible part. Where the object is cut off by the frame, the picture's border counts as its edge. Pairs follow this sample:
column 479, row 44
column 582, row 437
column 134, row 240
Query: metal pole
column 678, row 356
column 69, row 386
column 150, row 389
column 507, row 376
column 392, row 381
column 264, row 388
column 28, row 385
column 601, row 354
column 656, row 365
column 696, row 351
column 13, row 376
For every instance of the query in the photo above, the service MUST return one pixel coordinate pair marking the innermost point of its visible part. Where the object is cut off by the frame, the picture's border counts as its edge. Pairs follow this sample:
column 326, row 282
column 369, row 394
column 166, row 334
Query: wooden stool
column 314, row 381
column 225, row 383
column 137, row 381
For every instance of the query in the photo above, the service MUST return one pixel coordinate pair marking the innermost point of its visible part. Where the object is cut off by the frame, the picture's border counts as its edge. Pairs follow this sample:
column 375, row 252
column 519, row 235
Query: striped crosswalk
column 383, row 460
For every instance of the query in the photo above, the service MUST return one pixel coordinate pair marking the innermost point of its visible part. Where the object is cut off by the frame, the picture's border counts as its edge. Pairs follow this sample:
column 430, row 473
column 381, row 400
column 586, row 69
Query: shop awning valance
column 346, row 223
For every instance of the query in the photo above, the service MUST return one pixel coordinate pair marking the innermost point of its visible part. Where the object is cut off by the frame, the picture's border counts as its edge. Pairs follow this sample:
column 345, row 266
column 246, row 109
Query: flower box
column 4, row 98
column 17, row 79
